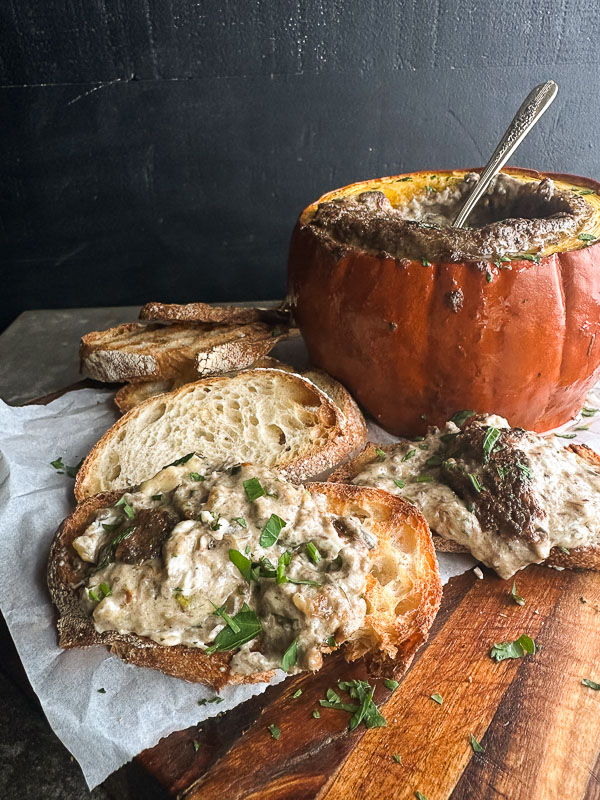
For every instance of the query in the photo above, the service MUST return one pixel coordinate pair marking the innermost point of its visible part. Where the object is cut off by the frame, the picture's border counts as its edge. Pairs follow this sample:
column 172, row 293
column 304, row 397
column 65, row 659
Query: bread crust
column 343, row 435
column 203, row 312
column 137, row 350
column 587, row 557
column 396, row 524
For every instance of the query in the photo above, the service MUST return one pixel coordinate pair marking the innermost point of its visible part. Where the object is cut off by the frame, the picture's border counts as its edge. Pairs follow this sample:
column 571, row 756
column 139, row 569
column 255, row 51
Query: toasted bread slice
column 402, row 593
column 587, row 557
column 203, row 312
column 136, row 350
column 267, row 416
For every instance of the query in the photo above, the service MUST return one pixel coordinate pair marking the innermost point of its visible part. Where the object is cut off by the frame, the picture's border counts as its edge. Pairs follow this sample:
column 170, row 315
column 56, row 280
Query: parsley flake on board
column 391, row 684
column 397, row 758
column 253, row 489
column 437, row 698
column 591, row 684
column 366, row 711
column 226, row 639
column 274, row 731
column 516, row 597
column 316, row 714
column 419, row 795
column 517, row 649
column 297, row 693
column 271, row 531
column 477, row 748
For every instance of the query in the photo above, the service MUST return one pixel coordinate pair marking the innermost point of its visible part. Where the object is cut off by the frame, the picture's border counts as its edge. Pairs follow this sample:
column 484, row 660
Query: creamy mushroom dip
column 513, row 217
column 506, row 494
column 197, row 551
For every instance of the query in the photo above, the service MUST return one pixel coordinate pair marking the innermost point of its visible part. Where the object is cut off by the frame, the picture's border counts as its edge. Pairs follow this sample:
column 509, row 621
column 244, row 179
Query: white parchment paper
column 139, row 706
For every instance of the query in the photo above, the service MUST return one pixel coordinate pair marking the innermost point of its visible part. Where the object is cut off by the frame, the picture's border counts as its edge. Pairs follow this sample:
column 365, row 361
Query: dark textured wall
column 162, row 149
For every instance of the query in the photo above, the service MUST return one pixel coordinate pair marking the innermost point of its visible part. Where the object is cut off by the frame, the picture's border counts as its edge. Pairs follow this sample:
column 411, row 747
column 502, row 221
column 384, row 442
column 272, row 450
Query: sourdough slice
column 136, row 350
column 267, row 416
column 203, row 312
column 587, row 557
column 136, row 392
column 402, row 594
column 353, row 423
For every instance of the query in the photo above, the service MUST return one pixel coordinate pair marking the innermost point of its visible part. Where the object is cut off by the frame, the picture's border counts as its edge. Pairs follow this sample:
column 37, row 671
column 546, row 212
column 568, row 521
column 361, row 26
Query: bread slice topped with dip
column 268, row 416
column 222, row 574
column 508, row 496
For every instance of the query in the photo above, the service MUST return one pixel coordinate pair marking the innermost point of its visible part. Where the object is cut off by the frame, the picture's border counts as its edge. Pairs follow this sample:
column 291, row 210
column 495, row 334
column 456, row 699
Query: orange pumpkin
column 416, row 343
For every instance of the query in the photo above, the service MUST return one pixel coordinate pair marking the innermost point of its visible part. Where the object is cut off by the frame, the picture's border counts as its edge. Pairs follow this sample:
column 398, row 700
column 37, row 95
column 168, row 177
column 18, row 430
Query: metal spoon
column 532, row 108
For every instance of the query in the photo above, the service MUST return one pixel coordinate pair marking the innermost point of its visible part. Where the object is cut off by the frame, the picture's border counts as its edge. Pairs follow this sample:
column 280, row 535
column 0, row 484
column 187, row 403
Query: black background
column 156, row 150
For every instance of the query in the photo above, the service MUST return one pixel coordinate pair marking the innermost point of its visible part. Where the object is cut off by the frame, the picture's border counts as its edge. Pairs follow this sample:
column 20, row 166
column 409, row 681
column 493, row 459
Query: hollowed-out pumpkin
column 417, row 339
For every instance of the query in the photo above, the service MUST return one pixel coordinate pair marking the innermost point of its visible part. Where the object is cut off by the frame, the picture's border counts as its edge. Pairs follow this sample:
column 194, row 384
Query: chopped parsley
column 274, row 731
column 366, row 711
column 316, row 714
column 330, row 641
column 220, row 612
column 477, row 748
column 476, row 485
column 424, row 479
column 516, row 597
column 461, row 417
column 566, row 435
column 524, row 470
column 242, row 563
column 249, row 626
column 391, row 684
column 196, row 744
column 517, row 649
column 565, row 550
column 180, row 461
column 419, row 795
column 93, row 596
column 488, row 275
column 61, row 467
column 313, row 552
column 253, row 489
column 271, row 531
column 381, row 454
column 397, row 758
column 105, row 589
column 588, row 412
column 296, row 694
column 489, row 440
column 437, row 698
column 591, row 684
column 127, row 509
column 425, row 262
column 399, row 483
column 195, row 476
column 408, row 455
column 587, row 237
column 101, row 691
column 290, row 657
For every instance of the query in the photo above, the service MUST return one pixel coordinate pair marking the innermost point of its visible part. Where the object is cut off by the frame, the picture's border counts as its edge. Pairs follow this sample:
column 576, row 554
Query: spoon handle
column 532, row 108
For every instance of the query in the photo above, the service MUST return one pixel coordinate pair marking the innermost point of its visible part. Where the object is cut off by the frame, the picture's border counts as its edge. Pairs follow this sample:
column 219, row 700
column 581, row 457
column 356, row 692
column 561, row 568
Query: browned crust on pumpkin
column 389, row 641
column 587, row 557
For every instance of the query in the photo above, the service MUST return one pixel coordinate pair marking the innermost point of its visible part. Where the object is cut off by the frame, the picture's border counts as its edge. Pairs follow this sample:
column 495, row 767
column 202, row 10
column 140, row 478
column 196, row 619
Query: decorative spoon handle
column 532, row 108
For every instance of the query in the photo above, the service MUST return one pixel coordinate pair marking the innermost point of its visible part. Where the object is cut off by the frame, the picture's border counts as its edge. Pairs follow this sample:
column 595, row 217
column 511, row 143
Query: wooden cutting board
column 539, row 726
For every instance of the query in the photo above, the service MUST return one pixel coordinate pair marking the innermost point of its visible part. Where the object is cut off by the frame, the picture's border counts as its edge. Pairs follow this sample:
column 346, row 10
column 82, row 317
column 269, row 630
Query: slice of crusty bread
column 403, row 592
column 203, row 312
column 137, row 350
column 267, row 416
column 580, row 557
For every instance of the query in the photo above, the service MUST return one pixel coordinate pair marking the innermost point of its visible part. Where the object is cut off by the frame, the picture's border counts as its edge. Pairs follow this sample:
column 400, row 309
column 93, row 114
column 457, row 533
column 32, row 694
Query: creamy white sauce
column 171, row 599
column 567, row 488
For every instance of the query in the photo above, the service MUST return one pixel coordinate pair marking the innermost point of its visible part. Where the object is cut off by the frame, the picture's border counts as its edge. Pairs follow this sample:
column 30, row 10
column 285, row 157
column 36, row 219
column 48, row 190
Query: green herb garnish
column 477, row 748
column 408, row 455
column 397, row 758
column 391, row 684
column 195, row 476
column 179, row 461
column 220, row 612
column 313, row 552
column 566, row 435
column 403, row 180
column 249, row 626
column 516, row 597
column 101, row 691
column 290, row 656
column 488, row 275
column 316, row 714
column 419, row 795
column 461, row 417
column 156, row 497
column 105, row 589
column 271, row 531
column 476, row 485
column 282, row 562
column 93, row 596
column 565, row 550
column 524, row 470
column 489, row 440
column 301, row 582
column 588, row 412
column 424, row 479
column 437, row 698
column 587, row 237
column 241, row 522
column 127, row 509
column 381, row 454
column 242, row 563
column 296, row 694
column 399, row 483
column 61, row 467
column 196, row 744
column 517, row 649
column 274, row 731
column 425, row 262
column 330, row 641
column 253, row 489
column 591, row 684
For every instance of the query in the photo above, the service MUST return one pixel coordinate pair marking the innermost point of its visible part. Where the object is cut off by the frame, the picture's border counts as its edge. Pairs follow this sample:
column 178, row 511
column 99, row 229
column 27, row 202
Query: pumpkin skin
column 415, row 343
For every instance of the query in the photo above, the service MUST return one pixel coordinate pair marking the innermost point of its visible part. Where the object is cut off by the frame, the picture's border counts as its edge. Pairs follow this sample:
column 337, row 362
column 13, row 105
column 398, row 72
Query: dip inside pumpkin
column 516, row 216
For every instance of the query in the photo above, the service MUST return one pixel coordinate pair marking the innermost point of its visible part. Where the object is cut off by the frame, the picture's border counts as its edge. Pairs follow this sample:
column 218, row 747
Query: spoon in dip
column 532, row 108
